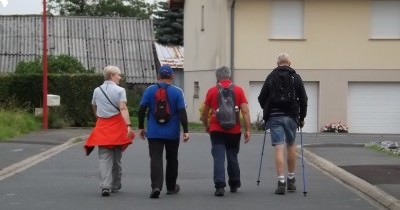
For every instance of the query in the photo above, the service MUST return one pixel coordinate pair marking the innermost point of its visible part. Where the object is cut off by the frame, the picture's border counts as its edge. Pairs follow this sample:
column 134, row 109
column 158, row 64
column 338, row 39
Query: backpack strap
column 159, row 86
column 108, row 99
column 230, row 87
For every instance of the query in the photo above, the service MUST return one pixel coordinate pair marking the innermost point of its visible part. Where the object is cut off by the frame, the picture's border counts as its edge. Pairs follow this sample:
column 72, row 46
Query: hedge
column 75, row 91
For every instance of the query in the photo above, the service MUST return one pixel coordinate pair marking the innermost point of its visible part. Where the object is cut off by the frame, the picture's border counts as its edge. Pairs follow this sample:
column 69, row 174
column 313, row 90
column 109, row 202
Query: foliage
column 75, row 91
column 378, row 147
column 109, row 8
column 335, row 128
column 56, row 117
column 56, row 64
column 14, row 122
column 196, row 127
column 168, row 25
column 259, row 124
column 134, row 94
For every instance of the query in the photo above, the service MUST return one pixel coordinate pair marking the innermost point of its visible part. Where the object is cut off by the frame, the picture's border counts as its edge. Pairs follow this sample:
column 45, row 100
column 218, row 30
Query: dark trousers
column 225, row 144
column 156, row 148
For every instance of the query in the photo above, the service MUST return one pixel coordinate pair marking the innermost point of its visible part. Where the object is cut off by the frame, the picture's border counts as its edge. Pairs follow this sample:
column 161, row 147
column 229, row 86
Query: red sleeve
column 241, row 97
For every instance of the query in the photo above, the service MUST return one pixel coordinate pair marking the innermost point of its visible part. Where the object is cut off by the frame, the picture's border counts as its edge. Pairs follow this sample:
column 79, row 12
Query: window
column 385, row 19
column 202, row 18
column 196, row 89
column 287, row 19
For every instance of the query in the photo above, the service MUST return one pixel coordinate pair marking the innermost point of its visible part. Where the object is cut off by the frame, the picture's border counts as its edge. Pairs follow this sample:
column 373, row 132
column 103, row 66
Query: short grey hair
column 109, row 71
column 222, row 73
column 283, row 58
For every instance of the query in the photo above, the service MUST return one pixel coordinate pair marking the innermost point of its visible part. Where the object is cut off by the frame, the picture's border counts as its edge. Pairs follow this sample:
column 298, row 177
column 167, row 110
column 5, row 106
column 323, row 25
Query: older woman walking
column 112, row 133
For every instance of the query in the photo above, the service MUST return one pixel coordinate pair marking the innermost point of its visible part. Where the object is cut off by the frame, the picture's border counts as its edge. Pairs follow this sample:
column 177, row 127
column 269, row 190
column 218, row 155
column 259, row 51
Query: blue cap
column 166, row 70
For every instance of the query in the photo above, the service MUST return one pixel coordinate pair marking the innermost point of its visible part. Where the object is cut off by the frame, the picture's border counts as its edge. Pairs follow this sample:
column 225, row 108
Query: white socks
column 291, row 175
column 281, row 179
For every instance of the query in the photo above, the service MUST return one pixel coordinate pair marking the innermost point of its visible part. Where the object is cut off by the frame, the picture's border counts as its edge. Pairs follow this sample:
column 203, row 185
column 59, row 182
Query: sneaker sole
column 176, row 191
column 155, row 194
column 105, row 194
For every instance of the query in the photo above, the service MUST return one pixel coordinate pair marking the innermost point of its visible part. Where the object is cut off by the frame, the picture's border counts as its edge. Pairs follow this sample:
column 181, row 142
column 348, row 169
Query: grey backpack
column 227, row 111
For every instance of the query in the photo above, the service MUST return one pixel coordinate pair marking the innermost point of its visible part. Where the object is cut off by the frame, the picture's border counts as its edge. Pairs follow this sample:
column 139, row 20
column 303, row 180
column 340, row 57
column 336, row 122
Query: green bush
column 75, row 91
column 27, row 67
column 56, row 117
column 56, row 64
column 134, row 94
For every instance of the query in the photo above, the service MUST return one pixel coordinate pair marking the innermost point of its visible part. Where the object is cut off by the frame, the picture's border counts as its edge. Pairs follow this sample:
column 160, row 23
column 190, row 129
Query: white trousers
column 110, row 167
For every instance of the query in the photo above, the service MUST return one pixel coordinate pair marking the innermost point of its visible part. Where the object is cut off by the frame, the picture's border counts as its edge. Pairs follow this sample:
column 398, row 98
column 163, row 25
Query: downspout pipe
column 232, row 38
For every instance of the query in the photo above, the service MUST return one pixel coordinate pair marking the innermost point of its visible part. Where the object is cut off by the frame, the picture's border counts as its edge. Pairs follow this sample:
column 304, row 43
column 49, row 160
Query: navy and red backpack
column 162, row 111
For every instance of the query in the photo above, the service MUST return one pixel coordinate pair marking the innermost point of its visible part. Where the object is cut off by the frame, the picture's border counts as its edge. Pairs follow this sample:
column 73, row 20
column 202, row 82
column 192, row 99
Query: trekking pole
column 262, row 154
column 302, row 163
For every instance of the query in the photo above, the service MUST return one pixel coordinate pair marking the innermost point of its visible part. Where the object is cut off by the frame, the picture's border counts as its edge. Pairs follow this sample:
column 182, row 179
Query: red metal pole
column 44, row 66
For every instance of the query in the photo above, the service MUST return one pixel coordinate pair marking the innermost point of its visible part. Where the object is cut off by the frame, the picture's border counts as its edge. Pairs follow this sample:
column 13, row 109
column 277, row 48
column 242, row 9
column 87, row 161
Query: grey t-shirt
column 114, row 92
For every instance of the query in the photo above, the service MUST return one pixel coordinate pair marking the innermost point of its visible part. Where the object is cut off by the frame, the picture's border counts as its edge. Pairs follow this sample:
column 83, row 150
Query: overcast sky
column 23, row 7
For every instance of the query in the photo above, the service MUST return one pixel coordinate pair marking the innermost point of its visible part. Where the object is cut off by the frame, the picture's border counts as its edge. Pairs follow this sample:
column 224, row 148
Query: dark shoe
column 219, row 192
column 155, row 193
column 175, row 191
column 105, row 192
column 281, row 189
column 115, row 189
column 234, row 189
column 291, row 185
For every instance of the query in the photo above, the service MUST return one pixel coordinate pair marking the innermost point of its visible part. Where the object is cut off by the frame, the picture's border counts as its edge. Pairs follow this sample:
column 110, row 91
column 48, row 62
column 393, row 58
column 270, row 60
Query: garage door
column 311, row 121
column 373, row 108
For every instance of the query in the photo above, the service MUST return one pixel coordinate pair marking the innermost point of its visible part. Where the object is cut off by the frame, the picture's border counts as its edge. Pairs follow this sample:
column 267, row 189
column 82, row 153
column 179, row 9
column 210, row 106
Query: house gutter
column 232, row 36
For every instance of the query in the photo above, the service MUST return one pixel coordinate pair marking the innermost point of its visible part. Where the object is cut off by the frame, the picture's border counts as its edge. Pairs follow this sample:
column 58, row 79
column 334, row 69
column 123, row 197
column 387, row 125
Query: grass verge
column 16, row 122
column 379, row 148
column 196, row 127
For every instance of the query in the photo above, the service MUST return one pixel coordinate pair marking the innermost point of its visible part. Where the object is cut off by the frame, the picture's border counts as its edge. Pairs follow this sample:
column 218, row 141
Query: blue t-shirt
column 170, row 130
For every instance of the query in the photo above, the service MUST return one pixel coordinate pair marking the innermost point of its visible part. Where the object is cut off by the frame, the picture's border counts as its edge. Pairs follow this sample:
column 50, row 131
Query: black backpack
column 227, row 111
column 162, row 111
column 283, row 94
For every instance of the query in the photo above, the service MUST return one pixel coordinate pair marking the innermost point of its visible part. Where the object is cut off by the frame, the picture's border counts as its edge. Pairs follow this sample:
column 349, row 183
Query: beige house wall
column 336, row 36
column 336, row 50
column 207, row 46
column 207, row 35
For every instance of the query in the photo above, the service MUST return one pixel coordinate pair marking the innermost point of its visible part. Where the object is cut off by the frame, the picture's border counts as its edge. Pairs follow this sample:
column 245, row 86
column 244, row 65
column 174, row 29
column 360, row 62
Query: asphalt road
column 69, row 180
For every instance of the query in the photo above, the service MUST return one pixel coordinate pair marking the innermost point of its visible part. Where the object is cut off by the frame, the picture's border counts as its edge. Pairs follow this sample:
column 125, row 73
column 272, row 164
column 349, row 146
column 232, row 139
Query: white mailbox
column 53, row 100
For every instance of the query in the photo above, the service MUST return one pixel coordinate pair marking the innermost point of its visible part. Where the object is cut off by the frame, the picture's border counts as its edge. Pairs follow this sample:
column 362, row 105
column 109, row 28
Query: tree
column 109, row 8
column 61, row 64
column 168, row 25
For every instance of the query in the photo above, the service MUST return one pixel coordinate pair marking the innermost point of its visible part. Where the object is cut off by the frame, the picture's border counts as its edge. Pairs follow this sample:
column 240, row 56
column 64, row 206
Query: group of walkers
column 283, row 99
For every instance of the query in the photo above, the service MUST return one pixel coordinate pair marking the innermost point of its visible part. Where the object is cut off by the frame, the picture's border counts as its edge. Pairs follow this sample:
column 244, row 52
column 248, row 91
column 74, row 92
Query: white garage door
column 373, row 108
column 311, row 121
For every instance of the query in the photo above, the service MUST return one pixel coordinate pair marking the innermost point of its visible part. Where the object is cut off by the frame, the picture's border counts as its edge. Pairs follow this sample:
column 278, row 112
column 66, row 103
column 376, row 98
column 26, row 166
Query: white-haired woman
column 112, row 133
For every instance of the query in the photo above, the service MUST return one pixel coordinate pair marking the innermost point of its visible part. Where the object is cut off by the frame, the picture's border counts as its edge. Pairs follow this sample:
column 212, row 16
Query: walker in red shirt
column 212, row 101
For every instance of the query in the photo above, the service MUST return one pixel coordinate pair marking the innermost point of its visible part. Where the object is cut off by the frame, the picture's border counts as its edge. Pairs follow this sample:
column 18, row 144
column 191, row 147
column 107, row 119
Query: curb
column 383, row 198
column 35, row 159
